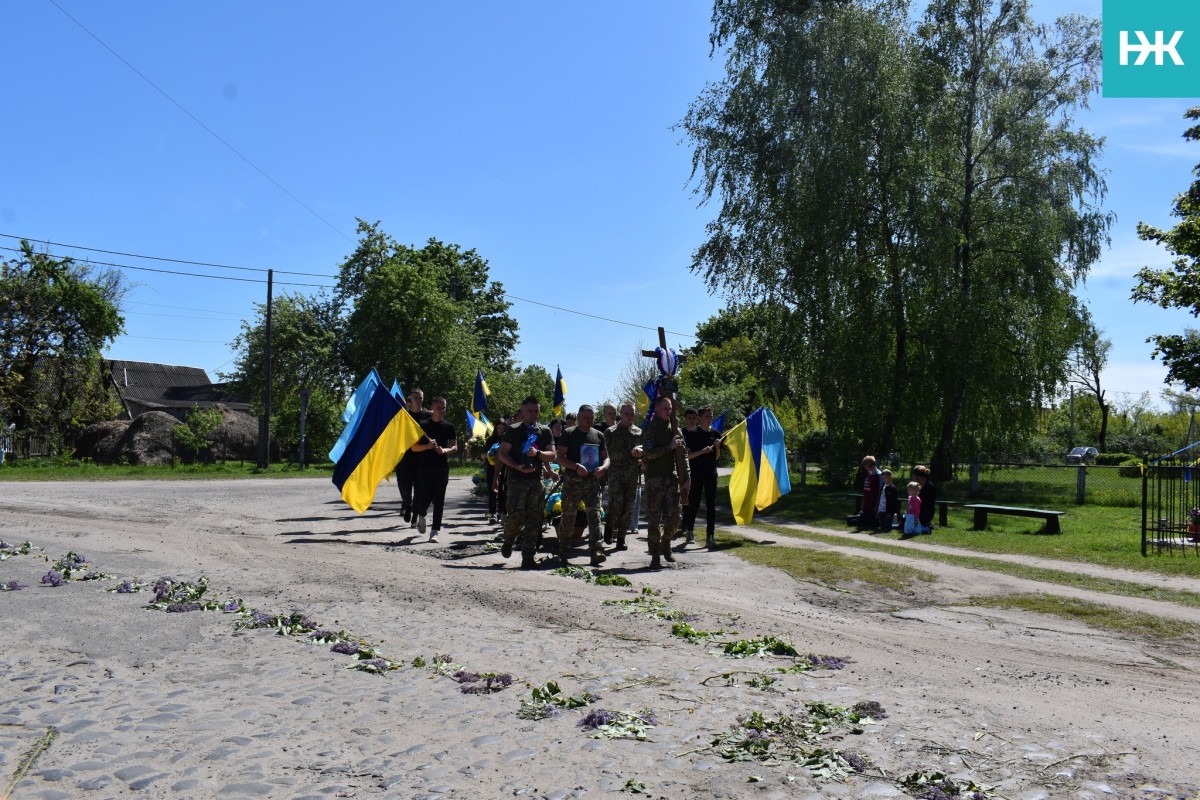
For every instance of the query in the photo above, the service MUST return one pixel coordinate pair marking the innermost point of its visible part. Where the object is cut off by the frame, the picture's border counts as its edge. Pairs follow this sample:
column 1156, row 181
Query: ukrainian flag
column 760, row 476
column 385, row 432
column 353, row 413
column 645, row 401
column 560, row 394
column 477, row 423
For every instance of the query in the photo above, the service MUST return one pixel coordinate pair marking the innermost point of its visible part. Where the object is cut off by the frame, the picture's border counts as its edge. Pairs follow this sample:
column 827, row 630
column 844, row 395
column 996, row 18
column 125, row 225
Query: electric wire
column 196, row 119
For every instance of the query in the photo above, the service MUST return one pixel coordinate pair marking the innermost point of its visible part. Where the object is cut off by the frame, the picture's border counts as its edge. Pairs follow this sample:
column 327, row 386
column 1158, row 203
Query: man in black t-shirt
column 406, row 469
column 704, row 448
column 583, row 458
column 433, row 468
column 525, row 449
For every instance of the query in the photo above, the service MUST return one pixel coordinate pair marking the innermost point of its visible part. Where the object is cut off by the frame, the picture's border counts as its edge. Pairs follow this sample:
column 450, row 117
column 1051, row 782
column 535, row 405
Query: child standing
column 912, row 514
column 889, row 502
column 871, row 486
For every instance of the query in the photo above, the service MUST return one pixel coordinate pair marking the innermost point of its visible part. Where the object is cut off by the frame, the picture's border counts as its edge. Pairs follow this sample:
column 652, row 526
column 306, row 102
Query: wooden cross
column 667, row 388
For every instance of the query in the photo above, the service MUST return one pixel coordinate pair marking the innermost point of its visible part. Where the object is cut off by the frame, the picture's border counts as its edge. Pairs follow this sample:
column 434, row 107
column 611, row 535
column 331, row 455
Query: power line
column 185, row 274
column 196, row 119
column 507, row 295
column 181, row 308
column 163, row 258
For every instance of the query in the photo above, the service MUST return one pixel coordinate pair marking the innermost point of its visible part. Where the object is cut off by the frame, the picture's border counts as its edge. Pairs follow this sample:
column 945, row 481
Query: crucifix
column 667, row 387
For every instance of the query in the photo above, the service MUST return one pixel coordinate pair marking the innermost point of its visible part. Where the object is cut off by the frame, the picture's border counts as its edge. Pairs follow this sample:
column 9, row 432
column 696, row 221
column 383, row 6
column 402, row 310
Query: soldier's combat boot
column 621, row 541
column 598, row 558
column 506, row 548
column 527, row 561
column 608, row 539
column 654, row 562
column 666, row 551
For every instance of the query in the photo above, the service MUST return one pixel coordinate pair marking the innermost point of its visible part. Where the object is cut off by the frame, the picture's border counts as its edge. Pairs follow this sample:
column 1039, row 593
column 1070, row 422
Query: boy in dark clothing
column 704, row 448
column 871, row 487
column 889, row 503
column 433, row 468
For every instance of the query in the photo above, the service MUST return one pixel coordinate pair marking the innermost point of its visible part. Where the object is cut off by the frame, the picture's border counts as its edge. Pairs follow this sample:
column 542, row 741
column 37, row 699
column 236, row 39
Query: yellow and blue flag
column 353, row 413
column 477, row 423
column 385, row 432
column 760, row 476
column 645, row 401
column 560, row 394
column 718, row 424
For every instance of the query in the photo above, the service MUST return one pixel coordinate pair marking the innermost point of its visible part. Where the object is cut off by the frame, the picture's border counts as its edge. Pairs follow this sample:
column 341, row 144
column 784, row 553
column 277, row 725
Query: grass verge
column 826, row 568
column 1061, row 577
column 1096, row 615
column 54, row 469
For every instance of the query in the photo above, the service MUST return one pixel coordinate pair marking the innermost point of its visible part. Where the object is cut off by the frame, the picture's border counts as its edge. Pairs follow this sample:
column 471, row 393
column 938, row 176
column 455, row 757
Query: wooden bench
column 943, row 507
column 982, row 511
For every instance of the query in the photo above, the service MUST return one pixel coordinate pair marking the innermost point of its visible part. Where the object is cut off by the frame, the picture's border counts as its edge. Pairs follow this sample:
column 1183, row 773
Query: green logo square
column 1151, row 48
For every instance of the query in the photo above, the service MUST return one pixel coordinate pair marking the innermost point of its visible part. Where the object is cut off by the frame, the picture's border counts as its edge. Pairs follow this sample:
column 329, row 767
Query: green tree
column 56, row 317
column 1179, row 286
column 459, row 276
column 915, row 197
column 305, row 352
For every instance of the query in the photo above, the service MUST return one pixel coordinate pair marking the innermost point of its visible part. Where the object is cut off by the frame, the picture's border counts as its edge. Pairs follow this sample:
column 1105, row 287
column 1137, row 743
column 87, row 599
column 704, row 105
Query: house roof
column 167, row 385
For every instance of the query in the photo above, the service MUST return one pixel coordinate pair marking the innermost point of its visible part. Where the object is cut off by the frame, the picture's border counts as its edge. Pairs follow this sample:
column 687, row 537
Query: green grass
column 1062, row 577
column 827, row 568
column 1096, row 615
column 1095, row 534
column 55, row 469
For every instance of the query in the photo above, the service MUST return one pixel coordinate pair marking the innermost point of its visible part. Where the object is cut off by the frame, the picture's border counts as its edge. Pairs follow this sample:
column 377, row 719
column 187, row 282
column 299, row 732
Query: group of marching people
column 601, row 464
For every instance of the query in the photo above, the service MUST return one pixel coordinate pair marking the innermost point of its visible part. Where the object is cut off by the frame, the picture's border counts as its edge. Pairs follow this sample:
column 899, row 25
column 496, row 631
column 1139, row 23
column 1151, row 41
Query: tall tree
column 460, row 276
column 1178, row 286
column 56, row 316
column 916, row 199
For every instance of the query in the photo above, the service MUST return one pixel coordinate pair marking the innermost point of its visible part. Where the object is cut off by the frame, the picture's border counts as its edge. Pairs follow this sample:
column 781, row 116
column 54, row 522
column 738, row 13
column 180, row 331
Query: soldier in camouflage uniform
column 525, row 448
column 659, row 444
column 624, row 455
column 583, row 457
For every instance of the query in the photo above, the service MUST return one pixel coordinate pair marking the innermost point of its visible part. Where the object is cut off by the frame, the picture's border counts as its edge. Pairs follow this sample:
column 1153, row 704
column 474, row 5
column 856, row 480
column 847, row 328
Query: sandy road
column 180, row 705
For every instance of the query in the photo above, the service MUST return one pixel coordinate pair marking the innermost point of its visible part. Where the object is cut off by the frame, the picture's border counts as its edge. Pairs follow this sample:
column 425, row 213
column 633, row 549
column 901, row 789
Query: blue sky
column 539, row 134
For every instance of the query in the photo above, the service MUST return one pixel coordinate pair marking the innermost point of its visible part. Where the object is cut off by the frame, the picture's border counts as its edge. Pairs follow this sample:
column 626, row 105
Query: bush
column 1130, row 468
column 1113, row 459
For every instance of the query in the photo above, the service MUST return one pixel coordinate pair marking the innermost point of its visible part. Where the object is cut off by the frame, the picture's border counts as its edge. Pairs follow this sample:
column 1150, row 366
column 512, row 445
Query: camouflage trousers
column 660, row 495
column 575, row 490
column 622, row 493
column 524, row 513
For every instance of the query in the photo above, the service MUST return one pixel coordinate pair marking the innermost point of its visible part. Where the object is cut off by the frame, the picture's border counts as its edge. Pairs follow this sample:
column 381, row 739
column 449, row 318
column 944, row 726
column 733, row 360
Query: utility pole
column 264, row 422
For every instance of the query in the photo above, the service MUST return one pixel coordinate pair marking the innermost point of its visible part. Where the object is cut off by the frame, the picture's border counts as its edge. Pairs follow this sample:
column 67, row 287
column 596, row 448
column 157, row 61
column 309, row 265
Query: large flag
column 760, row 476
column 357, row 405
column 477, row 423
column 385, row 432
column 397, row 392
column 560, row 394
column 718, row 424
column 361, row 396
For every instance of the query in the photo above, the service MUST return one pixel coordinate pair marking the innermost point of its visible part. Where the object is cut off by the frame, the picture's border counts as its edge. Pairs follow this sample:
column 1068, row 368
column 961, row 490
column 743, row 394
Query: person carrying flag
column 433, row 468
column 704, row 448
column 526, row 447
column 406, row 468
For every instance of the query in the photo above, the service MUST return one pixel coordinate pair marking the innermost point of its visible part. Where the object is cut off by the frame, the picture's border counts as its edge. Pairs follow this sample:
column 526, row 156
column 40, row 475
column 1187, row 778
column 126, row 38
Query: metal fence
column 1051, row 486
column 1171, row 507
